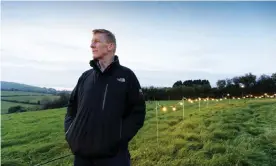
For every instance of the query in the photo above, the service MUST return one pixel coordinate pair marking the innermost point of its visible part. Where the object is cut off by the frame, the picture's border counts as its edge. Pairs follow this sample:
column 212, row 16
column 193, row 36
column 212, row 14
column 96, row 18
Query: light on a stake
column 164, row 109
column 174, row 109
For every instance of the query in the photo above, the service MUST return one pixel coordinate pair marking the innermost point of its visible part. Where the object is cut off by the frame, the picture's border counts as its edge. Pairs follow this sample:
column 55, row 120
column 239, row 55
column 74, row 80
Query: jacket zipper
column 105, row 92
column 120, row 129
column 68, row 128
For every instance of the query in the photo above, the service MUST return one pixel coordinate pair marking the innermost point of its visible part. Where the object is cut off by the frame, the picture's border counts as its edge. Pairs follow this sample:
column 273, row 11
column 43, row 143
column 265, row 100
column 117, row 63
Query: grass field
column 31, row 97
column 5, row 105
column 20, row 93
column 239, row 133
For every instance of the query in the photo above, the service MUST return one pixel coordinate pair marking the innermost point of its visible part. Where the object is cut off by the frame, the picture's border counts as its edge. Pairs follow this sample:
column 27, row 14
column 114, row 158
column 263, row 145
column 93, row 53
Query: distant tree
column 188, row 83
column 228, row 82
column 177, row 84
column 249, row 80
column 236, row 81
column 17, row 108
column 273, row 77
column 221, row 84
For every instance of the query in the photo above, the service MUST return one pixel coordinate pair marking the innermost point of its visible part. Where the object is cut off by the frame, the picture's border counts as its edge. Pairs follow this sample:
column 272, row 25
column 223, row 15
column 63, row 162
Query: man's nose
column 92, row 45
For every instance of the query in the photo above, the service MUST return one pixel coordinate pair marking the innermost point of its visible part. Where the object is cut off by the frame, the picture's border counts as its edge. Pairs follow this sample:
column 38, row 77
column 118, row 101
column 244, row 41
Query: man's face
column 100, row 46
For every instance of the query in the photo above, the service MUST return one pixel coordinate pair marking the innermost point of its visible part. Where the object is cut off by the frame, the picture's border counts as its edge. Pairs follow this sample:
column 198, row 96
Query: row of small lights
column 212, row 99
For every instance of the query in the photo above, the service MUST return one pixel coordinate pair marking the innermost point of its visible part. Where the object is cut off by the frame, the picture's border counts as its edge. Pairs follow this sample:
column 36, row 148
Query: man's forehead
column 98, row 36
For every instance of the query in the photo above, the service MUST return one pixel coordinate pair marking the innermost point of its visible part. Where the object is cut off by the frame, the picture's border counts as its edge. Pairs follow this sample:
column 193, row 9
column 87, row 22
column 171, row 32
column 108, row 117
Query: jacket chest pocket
column 115, row 96
column 117, row 90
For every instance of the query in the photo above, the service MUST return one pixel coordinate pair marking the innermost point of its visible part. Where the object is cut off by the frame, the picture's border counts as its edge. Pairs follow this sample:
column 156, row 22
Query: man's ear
column 111, row 46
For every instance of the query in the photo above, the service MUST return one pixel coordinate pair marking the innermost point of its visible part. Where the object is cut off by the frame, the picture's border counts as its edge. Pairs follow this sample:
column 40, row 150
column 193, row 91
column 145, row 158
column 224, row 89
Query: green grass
column 5, row 105
column 32, row 99
column 222, row 134
column 18, row 93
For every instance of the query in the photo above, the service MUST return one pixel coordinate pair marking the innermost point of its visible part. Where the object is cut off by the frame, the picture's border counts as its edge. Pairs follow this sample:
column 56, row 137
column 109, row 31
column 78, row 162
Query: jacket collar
column 95, row 64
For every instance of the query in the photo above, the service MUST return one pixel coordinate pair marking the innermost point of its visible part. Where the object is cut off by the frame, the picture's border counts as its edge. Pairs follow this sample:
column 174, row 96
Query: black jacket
column 105, row 111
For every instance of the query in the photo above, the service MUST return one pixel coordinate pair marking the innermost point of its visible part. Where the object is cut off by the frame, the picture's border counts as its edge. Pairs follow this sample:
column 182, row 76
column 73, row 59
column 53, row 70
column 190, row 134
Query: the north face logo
column 121, row 79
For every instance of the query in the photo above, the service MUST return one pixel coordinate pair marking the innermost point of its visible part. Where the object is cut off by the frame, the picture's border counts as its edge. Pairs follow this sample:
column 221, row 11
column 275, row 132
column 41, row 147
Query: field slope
column 239, row 133
column 29, row 100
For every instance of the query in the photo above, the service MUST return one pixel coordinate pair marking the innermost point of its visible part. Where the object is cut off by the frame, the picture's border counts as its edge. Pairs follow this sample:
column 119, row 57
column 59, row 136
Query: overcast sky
column 47, row 43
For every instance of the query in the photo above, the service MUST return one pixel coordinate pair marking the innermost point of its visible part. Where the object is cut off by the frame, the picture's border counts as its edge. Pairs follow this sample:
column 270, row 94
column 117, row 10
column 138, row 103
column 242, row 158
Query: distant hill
column 13, row 86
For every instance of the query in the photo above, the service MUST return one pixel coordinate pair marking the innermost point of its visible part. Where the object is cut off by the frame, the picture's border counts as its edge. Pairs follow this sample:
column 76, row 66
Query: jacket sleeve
column 71, row 109
column 136, row 110
column 72, row 106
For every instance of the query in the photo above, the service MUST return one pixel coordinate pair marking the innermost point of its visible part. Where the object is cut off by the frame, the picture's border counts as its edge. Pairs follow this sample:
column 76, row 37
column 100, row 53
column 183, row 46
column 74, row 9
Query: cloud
column 53, row 50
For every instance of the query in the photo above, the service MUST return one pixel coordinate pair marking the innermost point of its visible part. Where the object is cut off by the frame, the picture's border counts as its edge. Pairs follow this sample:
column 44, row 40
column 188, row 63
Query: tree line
column 237, row 86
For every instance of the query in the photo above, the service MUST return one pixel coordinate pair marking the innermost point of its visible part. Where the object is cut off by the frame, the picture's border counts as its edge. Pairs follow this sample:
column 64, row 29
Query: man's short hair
column 110, row 37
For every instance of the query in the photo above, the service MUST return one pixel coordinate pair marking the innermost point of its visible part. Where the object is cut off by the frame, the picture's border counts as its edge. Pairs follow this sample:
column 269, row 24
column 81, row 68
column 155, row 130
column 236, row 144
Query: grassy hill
column 21, row 93
column 25, row 99
column 242, row 133
column 5, row 85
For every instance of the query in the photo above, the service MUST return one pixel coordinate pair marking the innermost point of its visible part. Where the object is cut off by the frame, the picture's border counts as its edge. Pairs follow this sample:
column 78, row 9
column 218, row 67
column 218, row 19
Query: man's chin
column 96, row 57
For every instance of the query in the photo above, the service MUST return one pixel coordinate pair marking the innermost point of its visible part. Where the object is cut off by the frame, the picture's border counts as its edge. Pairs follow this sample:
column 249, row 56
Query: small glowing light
column 181, row 103
column 225, row 98
column 217, row 100
column 213, row 99
column 164, row 109
column 228, row 94
column 220, row 99
column 239, row 98
column 174, row 109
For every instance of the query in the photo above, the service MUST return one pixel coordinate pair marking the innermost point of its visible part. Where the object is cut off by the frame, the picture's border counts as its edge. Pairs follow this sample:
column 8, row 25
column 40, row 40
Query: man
column 106, row 108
